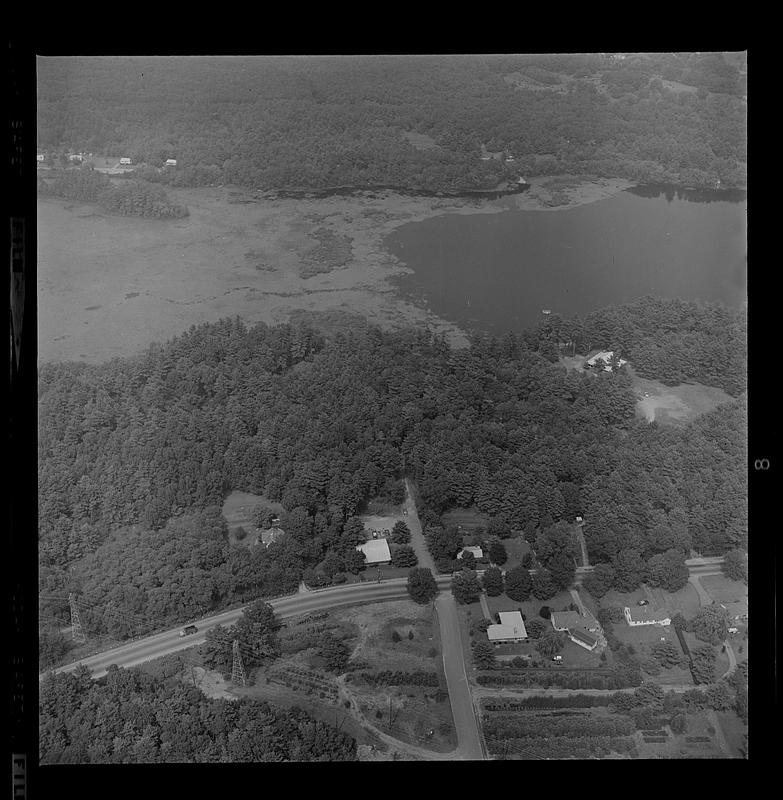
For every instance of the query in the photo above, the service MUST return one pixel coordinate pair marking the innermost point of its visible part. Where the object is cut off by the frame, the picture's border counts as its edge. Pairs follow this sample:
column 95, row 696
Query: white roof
column 497, row 632
column 513, row 619
column 375, row 551
column 477, row 552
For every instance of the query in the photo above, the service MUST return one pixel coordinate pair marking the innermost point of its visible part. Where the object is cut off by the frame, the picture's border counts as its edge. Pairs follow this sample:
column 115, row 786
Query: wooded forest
column 129, row 198
column 317, row 122
column 136, row 456
column 132, row 717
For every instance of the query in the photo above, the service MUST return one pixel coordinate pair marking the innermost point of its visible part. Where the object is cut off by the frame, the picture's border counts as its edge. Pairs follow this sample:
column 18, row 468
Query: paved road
column 462, row 710
column 161, row 644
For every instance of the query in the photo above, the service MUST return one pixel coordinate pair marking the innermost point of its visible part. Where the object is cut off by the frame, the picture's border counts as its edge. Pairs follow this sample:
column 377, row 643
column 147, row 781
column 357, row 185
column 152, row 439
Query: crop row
column 561, row 747
column 553, row 678
column 399, row 678
column 544, row 701
column 523, row 727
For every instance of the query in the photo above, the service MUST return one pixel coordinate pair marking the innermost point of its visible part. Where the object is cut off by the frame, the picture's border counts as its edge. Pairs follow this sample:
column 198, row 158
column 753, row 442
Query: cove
column 497, row 272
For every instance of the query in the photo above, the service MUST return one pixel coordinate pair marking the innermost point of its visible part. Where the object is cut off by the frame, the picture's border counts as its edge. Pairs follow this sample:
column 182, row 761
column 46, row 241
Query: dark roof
column 583, row 636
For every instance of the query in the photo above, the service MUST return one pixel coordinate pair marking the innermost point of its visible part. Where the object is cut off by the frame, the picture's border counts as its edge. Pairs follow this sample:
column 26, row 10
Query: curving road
column 167, row 642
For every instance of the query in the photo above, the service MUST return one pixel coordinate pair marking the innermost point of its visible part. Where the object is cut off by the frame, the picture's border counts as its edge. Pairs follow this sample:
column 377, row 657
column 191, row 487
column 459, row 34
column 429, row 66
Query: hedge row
column 399, row 678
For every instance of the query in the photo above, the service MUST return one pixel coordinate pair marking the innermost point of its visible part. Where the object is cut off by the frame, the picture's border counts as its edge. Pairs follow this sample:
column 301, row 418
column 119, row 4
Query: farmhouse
column 269, row 536
column 376, row 551
column 125, row 162
column 644, row 615
column 511, row 628
column 477, row 552
column 605, row 357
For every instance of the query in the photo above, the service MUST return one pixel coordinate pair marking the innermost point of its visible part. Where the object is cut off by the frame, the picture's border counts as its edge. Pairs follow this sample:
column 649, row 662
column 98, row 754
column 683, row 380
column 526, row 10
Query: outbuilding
column 376, row 551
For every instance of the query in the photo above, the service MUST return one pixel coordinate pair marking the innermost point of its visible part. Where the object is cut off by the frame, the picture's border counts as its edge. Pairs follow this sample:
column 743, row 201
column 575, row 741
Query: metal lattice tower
column 238, row 669
column 76, row 624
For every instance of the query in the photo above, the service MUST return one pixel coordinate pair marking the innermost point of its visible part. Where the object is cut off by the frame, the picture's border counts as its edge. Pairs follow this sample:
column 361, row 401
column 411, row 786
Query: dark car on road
column 188, row 630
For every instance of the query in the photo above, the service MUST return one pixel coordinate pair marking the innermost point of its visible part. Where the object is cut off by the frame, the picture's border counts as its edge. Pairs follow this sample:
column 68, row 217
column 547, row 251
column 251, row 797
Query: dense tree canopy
column 133, row 717
column 412, row 121
column 137, row 454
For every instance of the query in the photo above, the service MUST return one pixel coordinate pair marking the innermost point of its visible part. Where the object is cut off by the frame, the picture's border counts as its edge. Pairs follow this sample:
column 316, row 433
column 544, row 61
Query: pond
column 498, row 272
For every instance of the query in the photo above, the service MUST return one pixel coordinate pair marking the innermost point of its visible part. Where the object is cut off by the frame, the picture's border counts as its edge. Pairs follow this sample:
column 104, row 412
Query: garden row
column 543, row 701
column 398, row 678
column 562, row 747
column 620, row 679
column 504, row 726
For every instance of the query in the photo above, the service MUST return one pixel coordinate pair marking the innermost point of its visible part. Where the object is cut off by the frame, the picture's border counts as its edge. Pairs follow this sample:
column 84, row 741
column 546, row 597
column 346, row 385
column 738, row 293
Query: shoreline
column 110, row 286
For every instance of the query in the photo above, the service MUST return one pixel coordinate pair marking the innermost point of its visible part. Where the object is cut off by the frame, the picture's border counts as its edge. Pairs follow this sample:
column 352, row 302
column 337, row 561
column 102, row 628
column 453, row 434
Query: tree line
column 324, row 121
column 129, row 198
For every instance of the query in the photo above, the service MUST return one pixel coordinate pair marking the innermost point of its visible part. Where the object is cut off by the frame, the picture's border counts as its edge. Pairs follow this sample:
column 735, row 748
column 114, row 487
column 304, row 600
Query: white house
column 376, row 551
column 605, row 356
column 511, row 628
column 477, row 552
column 171, row 162
column 644, row 615
column 125, row 162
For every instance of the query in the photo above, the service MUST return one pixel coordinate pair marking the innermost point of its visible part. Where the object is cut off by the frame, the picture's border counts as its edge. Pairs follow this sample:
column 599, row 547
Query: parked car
column 643, row 603
column 187, row 631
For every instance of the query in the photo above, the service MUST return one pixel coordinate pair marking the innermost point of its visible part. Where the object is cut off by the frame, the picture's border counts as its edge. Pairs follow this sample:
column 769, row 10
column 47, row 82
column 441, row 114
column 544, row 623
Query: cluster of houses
column 582, row 629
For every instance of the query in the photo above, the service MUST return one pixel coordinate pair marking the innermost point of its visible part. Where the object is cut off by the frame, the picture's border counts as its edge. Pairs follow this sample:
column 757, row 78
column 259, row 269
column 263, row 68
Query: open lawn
column 416, row 709
column 469, row 519
column 723, row 590
column 516, row 547
column 734, row 730
column 675, row 405
column 238, row 512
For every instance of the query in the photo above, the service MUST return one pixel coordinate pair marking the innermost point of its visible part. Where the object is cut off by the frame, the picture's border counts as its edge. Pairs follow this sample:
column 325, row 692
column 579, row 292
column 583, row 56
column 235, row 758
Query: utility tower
column 238, row 669
column 76, row 625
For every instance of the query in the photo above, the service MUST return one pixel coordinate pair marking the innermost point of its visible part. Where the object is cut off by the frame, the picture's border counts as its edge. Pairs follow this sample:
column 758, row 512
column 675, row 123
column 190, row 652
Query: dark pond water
column 497, row 272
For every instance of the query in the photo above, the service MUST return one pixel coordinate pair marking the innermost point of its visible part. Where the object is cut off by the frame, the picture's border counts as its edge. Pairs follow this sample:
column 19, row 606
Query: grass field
column 675, row 405
column 238, row 510
column 723, row 590
column 416, row 710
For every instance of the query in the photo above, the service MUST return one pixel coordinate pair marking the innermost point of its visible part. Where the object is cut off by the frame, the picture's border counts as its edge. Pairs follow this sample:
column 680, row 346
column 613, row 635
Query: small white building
column 644, row 615
column 376, row 551
column 171, row 162
column 606, row 357
column 125, row 162
column 477, row 552
column 40, row 157
column 510, row 629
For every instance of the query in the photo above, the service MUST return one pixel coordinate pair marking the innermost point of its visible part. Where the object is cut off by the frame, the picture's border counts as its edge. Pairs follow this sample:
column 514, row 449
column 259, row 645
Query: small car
column 187, row 631
column 643, row 603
